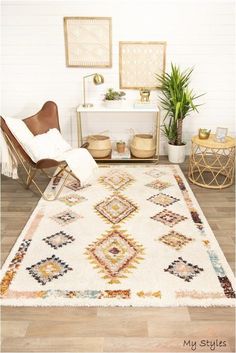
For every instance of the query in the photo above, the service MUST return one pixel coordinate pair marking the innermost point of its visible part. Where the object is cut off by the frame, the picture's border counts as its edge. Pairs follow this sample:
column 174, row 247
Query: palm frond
column 177, row 100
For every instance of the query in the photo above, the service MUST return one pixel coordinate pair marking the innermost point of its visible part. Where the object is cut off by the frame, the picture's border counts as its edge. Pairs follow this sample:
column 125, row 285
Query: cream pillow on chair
column 42, row 146
column 48, row 145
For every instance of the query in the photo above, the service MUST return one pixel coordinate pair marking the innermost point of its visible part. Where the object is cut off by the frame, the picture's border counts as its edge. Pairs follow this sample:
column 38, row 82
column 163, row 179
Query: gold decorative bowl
column 204, row 134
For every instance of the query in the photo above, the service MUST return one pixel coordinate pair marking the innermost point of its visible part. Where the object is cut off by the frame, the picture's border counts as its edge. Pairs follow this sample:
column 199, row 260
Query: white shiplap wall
column 199, row 33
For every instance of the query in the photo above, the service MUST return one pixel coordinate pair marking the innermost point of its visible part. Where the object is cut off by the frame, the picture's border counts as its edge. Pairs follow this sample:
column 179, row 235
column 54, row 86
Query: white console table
column 126, row 109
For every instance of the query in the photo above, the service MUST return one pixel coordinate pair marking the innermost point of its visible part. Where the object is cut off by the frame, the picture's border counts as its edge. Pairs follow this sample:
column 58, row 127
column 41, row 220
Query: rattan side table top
column 211, row 143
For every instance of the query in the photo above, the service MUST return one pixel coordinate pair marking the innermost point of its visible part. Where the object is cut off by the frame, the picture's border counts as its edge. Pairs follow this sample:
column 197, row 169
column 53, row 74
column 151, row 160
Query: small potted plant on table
column 113, row 98
column 178, row 102
column 120, row 146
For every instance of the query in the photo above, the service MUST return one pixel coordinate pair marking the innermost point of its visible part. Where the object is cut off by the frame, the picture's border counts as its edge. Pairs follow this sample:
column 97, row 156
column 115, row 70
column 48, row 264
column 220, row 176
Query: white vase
column 176, row 154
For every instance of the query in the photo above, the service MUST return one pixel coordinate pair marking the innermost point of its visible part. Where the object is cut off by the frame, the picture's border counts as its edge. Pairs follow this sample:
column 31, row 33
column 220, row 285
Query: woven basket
column 142, row 153
column 143, row 146
column 143, row 142
column 99, row 146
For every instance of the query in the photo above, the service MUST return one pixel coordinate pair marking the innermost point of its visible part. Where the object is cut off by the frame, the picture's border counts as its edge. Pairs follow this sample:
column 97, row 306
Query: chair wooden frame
column 41, row 122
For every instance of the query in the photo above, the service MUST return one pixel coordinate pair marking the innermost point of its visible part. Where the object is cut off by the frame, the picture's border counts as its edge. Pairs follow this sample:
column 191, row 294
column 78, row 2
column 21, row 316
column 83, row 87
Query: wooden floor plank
column 166, row 314
column 14, row 329
column 216, row 329
column 56, row 314
column 100, row 327
column 53, row 344
column 212, row 314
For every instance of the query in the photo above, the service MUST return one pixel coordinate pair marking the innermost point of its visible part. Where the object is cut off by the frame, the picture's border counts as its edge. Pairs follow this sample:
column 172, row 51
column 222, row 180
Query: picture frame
column 221, row 133
column 88, row 41
column 139, row 62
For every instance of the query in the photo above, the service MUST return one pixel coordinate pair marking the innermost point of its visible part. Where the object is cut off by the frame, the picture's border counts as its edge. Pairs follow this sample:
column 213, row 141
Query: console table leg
column 157, row 134
column 79, row 129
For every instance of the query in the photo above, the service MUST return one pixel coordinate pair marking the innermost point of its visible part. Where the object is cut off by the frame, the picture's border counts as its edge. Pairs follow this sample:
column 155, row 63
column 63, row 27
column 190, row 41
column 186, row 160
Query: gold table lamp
column 97, row 80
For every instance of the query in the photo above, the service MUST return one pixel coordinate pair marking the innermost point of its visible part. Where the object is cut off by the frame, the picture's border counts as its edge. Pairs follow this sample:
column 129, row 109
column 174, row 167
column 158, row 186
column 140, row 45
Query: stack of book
column 144, row 105
column 116, row 155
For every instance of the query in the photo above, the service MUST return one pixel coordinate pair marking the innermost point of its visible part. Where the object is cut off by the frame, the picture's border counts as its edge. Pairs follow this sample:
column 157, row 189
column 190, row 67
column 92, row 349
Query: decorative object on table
column 144, row 95
column 178, row 101
column 221, row 133
column 97, row 80
column 120, row 146
column 113, row 98
column 99, row 146
column 204, row 134
column 88, row 41
column 124, row 155
column 139, row 61
column 212, row 163
column 143, row 146
column 99, row 249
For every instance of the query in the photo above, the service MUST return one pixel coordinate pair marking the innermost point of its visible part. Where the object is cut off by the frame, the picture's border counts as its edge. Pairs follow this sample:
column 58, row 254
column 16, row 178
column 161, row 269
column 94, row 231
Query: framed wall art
column 139, row 62
column 88, row 41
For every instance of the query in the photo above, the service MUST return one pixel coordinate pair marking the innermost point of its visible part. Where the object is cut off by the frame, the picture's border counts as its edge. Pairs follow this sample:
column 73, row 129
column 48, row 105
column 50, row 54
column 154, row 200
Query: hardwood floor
column 76, row 329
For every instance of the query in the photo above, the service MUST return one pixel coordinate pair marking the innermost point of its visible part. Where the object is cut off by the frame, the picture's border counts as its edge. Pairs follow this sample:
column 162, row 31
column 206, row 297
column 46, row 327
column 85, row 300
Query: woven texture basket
column 142, row 153
column 143, row 146
column 99, row 146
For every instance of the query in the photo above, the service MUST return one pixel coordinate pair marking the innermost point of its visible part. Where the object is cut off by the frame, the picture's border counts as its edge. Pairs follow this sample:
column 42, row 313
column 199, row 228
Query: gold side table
column 211, row 163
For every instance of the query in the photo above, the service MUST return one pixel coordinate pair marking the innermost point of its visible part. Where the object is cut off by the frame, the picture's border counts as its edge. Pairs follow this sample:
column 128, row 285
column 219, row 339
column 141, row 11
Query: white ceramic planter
column 115, row 104
column 176, row 154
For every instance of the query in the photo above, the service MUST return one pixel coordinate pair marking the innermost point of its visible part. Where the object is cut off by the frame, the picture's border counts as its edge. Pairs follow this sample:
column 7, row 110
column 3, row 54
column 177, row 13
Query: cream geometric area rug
column 135, row 237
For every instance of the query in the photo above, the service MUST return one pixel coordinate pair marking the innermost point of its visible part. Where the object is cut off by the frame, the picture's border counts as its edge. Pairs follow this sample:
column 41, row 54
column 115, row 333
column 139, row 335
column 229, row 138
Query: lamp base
column 87, row 105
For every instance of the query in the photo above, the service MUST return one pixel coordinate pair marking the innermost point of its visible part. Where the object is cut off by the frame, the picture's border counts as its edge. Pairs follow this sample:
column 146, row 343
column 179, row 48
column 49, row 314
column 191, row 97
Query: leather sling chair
column 40, row 123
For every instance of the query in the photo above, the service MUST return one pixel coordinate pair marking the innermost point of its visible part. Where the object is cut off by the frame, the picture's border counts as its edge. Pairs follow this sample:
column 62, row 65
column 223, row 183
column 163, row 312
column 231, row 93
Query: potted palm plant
column 178, row 100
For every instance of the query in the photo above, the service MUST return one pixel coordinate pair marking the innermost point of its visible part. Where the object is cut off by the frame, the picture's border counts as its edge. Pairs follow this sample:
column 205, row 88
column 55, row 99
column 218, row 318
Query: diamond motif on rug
column 155, row 173
column 116, row 179
column 175, row 240
column 159, row 185
column 183, row 269
column 116, row 253
column 58, row 240
column 115, row 208
column 75, row 185
column 48, row 269
column 72, row 199
column 168, row 218
column 163, row 199
column 66, row 217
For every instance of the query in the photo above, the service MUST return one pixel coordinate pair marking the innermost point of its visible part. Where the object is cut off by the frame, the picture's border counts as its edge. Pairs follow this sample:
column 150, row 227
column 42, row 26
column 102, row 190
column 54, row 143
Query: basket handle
column 132, row 131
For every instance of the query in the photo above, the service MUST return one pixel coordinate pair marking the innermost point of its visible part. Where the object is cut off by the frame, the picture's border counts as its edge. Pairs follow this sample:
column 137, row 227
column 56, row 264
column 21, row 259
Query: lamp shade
column 98, row 79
